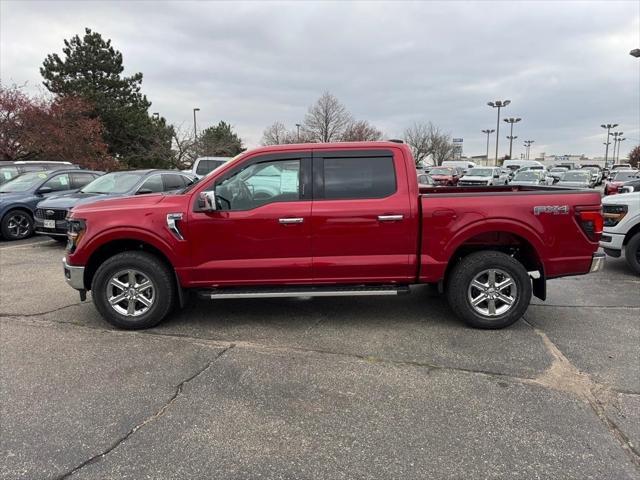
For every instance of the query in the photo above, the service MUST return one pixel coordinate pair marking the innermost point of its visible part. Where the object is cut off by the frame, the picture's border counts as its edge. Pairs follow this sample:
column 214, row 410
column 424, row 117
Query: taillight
column 590, row 221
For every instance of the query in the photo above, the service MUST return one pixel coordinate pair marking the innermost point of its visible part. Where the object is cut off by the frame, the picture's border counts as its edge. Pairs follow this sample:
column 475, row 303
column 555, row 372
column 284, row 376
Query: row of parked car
column 571, row 176
column 35, row 197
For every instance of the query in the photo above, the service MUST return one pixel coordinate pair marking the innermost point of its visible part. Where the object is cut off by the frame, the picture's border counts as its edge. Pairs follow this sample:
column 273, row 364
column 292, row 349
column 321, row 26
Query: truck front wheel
column 133, row 290
column 632, row 253
column 489, row 289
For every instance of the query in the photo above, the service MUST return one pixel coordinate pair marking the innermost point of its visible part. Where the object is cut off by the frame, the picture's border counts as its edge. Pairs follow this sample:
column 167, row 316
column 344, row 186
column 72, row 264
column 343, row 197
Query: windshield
column 440, row 171
column 116, row 182
column 480, row 172
column 576, row 177
column 24, row 182
column 528, row 175
column 624, row 176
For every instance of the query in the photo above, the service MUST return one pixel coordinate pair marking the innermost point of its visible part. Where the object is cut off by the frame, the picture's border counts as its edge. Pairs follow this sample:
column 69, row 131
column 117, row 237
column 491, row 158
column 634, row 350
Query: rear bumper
column 73, row 275
column 597, row 262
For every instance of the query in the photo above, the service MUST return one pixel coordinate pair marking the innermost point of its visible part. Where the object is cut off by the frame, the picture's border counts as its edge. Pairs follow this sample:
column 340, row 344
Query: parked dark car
column 10, row 170
column 425, row 179
column 50, row 216
column 19, row 197
column 617, row 179
column 630, row 186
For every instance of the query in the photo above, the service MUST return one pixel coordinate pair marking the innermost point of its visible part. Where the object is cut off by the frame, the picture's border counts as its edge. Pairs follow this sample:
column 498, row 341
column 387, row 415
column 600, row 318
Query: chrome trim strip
column 287, row 221
column 76, row 275
column 172, row 224
column 390, row 218
column 597, row 262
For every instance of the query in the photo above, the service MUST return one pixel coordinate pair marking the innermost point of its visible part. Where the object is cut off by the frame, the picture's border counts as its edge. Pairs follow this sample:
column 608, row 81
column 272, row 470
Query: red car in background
column 446, row 176
column 615, row 182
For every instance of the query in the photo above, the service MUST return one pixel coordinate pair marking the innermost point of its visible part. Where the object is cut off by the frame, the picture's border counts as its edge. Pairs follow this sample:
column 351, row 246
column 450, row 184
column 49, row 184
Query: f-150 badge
column 552, row 209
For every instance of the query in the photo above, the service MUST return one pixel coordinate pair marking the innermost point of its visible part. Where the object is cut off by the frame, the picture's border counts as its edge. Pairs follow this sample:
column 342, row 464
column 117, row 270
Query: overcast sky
column 565, row 66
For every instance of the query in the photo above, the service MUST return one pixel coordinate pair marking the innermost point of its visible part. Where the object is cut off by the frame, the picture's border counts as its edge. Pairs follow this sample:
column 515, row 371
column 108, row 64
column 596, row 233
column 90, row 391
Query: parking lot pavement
column 318, row 388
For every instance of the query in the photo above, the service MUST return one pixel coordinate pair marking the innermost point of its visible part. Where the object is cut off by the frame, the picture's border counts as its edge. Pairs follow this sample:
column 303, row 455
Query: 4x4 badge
column 552, row 209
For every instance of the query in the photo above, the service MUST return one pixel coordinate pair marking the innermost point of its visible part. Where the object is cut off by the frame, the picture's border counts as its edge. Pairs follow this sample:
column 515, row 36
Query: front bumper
column 611, row 241
column 597, row 262
column 60, row 229
column 73, row 275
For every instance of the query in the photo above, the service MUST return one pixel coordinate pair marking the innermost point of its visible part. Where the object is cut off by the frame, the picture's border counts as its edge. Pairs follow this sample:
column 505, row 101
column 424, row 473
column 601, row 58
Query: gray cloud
column 564, row 65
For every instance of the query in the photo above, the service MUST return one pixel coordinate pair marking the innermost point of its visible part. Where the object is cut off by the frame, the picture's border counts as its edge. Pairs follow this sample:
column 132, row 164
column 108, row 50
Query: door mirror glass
column 207, row 201
column 44, row 190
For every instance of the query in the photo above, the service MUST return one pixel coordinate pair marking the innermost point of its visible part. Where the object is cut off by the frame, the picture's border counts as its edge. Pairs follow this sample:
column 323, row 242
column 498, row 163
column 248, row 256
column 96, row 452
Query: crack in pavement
column 563, row 376
column 28, row 315
column 622, row 307
column 159, row 413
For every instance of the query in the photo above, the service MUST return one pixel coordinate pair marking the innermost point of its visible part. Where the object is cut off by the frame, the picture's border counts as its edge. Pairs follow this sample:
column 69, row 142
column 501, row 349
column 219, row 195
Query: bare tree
column 327, row 120
column 361, row 130
column 182, row 147
column 276, row 134
column 425, row 139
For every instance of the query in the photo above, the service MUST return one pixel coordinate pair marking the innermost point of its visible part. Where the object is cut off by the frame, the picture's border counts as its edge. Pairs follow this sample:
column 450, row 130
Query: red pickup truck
column 330, row 220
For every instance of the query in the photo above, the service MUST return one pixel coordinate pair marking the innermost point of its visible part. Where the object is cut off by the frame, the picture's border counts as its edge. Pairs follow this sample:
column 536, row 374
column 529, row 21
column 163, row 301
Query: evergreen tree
column 219, row 141
column 92, row 69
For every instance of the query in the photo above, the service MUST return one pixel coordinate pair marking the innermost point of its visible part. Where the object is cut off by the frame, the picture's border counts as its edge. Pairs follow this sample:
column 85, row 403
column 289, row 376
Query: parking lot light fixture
column 618, row 156
column 616, row 136
column 488, row 132
column 511, row 121
column 608, row 127
column 527, row 144
column 498, row 104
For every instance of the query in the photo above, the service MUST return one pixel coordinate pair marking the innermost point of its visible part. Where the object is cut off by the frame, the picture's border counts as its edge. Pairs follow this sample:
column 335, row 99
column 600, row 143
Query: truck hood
column 632, row 199
column 120, row 203
column 70, row 200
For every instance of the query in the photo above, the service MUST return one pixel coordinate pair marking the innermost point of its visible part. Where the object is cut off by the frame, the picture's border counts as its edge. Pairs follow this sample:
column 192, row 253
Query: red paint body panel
column 342, row 241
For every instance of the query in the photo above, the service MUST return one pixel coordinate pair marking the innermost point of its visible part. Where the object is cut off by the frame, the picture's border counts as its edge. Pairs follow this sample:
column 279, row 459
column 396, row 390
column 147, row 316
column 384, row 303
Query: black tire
column 16, row 225
column 632, row 253
column 147, row 265
column 459, row 282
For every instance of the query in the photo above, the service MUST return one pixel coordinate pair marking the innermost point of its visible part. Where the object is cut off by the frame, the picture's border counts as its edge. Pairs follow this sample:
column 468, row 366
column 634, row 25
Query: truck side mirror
column 44, row 190
column 207, row 201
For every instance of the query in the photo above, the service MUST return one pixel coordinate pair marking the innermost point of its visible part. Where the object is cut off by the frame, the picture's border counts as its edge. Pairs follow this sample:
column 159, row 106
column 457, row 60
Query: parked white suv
column 622, row 227
column 203, row 165
column 483, row 176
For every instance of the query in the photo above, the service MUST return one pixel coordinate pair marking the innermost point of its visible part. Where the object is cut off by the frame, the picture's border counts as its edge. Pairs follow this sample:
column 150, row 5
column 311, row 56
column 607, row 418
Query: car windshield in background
column 558, row 170
column 116, row 182
column 24, row 182
column 625, row 175
column 440, row 171
column 528, row 175
column 576, row 177
column 480, row 172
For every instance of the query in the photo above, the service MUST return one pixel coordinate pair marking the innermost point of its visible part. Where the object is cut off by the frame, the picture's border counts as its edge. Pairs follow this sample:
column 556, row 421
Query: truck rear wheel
column 489, row 289
column 632, row 253
column 133, row 290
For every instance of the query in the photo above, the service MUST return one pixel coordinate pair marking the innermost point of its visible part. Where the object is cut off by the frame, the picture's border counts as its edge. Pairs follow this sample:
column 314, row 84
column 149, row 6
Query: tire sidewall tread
column 5, row 221
column 630, row 250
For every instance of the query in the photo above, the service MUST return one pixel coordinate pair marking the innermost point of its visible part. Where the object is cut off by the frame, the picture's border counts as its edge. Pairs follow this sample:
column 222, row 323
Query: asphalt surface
column 317, row 388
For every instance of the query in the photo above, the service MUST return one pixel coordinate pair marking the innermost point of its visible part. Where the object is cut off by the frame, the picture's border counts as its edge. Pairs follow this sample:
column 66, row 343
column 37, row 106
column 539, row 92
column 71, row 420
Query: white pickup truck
column 622, row 227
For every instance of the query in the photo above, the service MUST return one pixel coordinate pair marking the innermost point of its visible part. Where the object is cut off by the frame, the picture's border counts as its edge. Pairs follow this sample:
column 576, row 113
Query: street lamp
column 608, row 126
column 298, row 127
column 527, row 144
column 635, row 52
column 618, row 156
column 498, row 104
column 511, row 138
column 488, row 132
column 616, row 136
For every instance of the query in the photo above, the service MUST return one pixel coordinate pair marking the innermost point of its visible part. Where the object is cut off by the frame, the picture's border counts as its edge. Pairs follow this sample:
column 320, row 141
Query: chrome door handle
column 288, row 221
column 390, row 218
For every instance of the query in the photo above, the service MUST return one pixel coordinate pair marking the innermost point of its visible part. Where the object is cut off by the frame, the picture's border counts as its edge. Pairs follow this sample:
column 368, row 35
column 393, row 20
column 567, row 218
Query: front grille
column 51, row 213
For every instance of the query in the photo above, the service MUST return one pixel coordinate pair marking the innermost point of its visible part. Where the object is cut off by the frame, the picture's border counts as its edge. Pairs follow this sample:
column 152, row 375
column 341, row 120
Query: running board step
column 316, row 291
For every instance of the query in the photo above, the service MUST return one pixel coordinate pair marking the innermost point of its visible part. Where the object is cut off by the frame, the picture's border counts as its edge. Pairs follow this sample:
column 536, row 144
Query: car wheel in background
column 133, row 290
column 489, row 289
column 16, row 225
column 632, row 253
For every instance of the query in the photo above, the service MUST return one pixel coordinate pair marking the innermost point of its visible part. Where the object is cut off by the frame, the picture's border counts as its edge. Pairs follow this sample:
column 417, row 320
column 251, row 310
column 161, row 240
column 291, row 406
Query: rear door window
column 358, row 177
column 58, row 183
column 152, row 185
column 79, row 180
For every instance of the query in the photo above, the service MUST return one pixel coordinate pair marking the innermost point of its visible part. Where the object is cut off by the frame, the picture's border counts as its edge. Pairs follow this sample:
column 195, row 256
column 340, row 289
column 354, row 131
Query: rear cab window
column 357, row 177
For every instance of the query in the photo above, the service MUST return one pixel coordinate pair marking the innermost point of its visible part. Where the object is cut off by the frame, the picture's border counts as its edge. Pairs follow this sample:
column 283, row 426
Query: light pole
column 527, row 144
column 195, row 129
column 616, row 136
column 618, row 156
column 608, row 126
column 498, row 104
column 488, row 132
column 298, row 127
column 511, row 138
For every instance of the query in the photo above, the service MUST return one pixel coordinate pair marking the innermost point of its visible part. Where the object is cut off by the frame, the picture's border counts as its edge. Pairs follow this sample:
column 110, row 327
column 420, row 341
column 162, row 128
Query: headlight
column 76, row 228
column 613, row 214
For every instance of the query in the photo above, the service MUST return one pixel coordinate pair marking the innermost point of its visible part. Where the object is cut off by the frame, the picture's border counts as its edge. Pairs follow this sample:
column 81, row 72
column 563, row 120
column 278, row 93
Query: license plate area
column 49, row 224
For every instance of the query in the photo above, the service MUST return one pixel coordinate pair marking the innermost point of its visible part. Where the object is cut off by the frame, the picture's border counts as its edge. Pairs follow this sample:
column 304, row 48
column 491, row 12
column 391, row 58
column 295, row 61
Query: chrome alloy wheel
column 18, row 225
column 492, row 292
column 131, row 293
